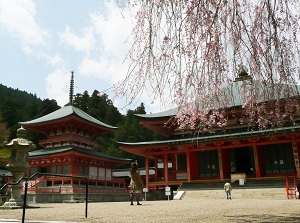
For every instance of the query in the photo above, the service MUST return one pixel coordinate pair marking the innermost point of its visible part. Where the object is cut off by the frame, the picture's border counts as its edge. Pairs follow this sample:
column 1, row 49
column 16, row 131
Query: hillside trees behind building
column 17, row 106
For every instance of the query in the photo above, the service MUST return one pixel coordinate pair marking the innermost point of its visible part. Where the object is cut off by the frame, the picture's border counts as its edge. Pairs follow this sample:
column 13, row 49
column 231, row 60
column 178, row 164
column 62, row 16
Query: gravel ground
column 186, row 210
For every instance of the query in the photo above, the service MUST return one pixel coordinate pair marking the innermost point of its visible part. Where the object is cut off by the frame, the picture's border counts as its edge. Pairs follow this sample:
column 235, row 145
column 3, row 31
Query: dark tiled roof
column 50, row 151
column 233, row 92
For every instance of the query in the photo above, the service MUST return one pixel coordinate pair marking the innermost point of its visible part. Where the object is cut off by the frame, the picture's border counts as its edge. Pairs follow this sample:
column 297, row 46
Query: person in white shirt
column 228, row 189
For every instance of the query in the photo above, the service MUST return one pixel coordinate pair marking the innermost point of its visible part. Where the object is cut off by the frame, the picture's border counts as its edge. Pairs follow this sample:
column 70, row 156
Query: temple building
column 229, row 154
column 69, row 150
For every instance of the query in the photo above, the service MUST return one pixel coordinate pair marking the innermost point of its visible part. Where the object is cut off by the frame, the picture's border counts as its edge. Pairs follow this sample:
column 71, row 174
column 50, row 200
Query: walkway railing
column 26, row 179
column 71, row 190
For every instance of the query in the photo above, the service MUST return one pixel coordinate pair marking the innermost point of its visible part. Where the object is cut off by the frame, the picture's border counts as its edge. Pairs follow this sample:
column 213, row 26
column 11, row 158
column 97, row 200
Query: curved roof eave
column 167, row 113
column 51, row 151
column 213, row 137
column 65, row 112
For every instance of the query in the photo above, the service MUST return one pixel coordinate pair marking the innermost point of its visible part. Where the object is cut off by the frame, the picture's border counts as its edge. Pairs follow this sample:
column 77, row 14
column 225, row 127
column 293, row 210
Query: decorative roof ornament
column 243, row 74
column 71, row 88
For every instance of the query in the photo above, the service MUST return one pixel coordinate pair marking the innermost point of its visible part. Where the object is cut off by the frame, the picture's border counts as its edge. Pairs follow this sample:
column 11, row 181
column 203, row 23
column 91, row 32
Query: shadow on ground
column 265, row 218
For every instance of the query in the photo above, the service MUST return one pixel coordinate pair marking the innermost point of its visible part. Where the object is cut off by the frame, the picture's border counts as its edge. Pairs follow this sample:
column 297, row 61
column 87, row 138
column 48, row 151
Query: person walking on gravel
column 228, row 189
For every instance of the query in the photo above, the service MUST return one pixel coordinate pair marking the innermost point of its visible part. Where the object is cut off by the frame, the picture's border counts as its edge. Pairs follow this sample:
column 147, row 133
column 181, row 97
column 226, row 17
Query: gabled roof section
column 231, row 98
column 233, row 93
column 265, row 92
column 163, row 114
column 65, row 112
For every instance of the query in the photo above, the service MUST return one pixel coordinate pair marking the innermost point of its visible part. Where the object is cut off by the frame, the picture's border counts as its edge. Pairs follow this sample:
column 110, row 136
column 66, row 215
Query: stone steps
column 248, row 184
column 267, row 193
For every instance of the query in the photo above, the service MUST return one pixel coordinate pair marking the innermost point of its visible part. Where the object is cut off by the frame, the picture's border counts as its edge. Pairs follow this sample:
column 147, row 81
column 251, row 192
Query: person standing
column 228, row 189
column 136, row 183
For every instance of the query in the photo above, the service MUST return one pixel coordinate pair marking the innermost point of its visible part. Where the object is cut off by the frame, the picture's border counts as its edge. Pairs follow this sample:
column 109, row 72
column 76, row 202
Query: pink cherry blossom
column 196, row 49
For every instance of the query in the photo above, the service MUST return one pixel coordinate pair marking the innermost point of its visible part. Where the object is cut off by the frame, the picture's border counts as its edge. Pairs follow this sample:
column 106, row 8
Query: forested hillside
column 16, row 106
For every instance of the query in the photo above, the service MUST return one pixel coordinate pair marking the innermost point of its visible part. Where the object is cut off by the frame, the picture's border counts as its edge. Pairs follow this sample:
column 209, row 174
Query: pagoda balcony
column 67, row 139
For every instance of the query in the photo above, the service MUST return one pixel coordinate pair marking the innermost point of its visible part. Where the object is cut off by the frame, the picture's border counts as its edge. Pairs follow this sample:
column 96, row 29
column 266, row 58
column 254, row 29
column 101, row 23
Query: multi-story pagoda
column 69, row 149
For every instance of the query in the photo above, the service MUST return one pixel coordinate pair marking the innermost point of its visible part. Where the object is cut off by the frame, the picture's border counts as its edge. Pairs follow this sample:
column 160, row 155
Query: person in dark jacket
column 136, row 183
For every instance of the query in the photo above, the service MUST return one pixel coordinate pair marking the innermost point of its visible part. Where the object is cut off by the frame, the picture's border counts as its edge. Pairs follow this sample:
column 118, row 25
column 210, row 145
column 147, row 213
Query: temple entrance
column 278, row 159
column 242, row 160
column 209, row 163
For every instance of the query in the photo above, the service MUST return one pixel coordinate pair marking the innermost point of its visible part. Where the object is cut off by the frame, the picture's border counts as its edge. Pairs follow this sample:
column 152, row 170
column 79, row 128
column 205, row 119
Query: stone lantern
column 18, row 166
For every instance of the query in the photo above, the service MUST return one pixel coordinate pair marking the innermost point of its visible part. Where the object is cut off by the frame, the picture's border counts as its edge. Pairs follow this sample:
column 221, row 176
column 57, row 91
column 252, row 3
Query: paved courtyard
column 186, row 210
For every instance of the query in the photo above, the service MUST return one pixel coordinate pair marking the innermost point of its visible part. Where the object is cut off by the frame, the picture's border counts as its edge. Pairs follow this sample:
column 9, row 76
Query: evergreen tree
column 81, row 101
column 47, row 106
column 9, row 112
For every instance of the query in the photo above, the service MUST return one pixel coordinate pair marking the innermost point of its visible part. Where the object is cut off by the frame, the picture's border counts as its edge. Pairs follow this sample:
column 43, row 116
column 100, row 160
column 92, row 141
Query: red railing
column 71, row 190
column 35, row 182
column 290, row 185
column 108, row 179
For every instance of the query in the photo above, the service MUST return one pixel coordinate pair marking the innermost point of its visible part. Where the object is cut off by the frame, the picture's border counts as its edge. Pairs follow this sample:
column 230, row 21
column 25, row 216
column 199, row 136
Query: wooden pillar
column 166, row 168
column 257, row 169
column 220, row 164
column 188, row 165
column 174, row 166
column 296, row 158
column 98, row 177
column 155, row 169
column 105, row 182
column 147, row 171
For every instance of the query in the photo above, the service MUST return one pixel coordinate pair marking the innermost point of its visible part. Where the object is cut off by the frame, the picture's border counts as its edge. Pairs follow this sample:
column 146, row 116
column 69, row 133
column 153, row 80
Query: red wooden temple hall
column 258, row 154
column 70, row 149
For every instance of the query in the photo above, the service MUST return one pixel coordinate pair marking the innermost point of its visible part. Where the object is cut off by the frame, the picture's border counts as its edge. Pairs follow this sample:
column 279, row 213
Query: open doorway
column 242, row 160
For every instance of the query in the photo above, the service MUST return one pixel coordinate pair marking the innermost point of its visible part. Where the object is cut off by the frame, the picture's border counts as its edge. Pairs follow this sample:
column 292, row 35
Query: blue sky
column 42, row 41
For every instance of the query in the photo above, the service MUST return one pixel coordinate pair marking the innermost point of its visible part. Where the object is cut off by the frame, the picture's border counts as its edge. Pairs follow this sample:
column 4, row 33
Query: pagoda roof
column 65, row 112
column 89, row 152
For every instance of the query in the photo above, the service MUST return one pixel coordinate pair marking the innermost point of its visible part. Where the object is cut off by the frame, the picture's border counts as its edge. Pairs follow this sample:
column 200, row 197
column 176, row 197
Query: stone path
column 187, row 210
column 16, row 221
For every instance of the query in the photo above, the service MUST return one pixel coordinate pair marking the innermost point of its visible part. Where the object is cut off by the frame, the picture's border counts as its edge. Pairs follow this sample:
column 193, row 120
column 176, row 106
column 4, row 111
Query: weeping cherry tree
column 196, row 53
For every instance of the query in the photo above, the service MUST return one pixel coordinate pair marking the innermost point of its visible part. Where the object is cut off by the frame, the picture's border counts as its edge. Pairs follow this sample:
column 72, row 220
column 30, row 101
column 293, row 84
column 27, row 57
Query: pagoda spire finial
column 71, row 88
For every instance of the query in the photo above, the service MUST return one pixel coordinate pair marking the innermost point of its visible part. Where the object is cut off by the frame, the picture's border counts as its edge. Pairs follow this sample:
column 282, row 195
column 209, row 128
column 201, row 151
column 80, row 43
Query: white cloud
column 93, row 67
column 54, row 60
column 85, row 43
column 18, row 17
column 102, row 68
column 114, row 29
column 56, row 83
column 103, row 42
column 101, row 48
